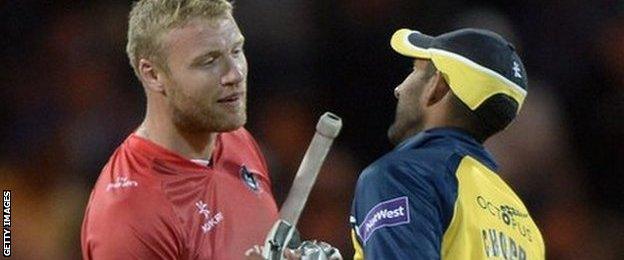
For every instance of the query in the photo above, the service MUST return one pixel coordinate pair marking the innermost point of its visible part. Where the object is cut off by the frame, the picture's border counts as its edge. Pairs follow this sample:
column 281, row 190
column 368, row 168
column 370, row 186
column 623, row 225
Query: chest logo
column 121, row 182
column 210, row 220
column 250, row 179
column 508, row 215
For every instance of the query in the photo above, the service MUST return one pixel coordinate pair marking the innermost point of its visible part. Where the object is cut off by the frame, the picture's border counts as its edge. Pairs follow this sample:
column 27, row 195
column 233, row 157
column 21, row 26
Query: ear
column 436, row 90
column 151, row 76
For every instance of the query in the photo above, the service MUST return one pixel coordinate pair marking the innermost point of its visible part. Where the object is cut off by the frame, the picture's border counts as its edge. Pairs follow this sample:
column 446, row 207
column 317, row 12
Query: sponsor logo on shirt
column 121, row 182
column 509, row 215
column 210, row 220
column 388, row 213
column 249, row 178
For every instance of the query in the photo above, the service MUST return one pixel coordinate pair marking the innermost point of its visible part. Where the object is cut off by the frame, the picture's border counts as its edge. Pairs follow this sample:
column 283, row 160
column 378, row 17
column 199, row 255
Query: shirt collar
column 171, row 159
column 452, row 134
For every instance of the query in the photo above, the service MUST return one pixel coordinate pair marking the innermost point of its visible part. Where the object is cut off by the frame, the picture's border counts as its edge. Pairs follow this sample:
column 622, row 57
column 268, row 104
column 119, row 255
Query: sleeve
column 138, row 227
column 397, row 213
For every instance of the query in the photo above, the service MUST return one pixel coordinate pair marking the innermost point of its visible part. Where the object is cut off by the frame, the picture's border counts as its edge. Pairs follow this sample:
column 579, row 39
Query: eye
column 208, row 61
column 237, row 51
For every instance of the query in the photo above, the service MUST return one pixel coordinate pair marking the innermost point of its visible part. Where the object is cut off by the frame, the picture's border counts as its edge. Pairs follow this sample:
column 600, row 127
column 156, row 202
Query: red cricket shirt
column 151, row 203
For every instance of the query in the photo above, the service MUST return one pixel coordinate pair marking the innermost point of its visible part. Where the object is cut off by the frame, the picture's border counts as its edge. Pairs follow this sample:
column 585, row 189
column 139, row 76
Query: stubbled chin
column 233, row 122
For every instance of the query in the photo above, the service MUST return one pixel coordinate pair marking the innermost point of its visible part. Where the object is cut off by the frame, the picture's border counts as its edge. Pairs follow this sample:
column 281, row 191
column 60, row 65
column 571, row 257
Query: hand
column 292, row 254
column 309, row 250
column 318, row 250
column 255, row 253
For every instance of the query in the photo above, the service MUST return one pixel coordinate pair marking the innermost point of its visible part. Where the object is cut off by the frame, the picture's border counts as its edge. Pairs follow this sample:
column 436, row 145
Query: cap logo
column 516, row 69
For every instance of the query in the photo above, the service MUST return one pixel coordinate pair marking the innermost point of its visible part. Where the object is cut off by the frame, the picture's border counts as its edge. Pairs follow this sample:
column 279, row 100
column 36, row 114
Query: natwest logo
column 392, row 212
column 382, row 215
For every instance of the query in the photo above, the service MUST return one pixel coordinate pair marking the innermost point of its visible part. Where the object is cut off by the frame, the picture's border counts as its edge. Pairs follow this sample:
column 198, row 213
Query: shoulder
column 127, row 171
column 136, row 204
column 402, row 167
column 130, row 219
column 127, row 197
column 127, row 188
column 423, row 176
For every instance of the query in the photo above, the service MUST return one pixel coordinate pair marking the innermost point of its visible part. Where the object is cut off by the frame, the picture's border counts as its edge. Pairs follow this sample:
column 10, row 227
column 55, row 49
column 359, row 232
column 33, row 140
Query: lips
column 231, row 98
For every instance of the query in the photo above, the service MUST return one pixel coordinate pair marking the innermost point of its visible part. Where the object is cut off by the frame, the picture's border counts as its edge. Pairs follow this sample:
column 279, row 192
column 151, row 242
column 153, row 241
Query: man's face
column 409, row 111
column 206, row 83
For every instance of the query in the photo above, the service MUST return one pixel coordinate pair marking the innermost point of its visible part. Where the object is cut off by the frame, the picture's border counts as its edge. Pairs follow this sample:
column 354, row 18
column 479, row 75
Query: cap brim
column 470, row 81
column 412, row 43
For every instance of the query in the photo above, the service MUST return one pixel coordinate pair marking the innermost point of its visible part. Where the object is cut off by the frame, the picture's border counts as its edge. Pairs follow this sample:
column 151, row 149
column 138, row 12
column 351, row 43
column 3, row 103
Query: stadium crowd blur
column 68, row 98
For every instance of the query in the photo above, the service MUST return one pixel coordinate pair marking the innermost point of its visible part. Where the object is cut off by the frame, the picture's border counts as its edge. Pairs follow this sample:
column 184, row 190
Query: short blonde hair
column 150, row 19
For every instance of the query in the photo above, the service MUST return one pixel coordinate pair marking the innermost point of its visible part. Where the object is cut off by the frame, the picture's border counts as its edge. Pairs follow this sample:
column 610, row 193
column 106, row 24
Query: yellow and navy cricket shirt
column 437, row 195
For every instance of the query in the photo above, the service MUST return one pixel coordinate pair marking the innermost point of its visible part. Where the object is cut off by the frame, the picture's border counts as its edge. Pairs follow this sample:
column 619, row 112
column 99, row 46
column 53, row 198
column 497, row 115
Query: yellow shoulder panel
column 490, row 221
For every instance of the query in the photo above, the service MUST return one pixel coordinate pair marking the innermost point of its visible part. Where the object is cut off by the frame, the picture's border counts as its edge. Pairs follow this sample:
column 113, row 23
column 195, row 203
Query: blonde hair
column 150, row 19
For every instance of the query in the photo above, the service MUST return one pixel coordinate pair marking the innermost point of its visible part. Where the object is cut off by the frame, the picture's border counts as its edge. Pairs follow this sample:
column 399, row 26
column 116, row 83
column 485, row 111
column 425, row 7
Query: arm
column 397, row 213
column 132, row 227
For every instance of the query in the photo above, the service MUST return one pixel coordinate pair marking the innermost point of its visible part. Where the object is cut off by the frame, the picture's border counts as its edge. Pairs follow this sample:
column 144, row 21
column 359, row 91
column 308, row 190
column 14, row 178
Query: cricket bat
column 284, row 230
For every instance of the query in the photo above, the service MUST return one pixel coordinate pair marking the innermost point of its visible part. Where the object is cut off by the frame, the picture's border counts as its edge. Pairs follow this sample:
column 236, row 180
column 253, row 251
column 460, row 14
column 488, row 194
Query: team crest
column 249, row 178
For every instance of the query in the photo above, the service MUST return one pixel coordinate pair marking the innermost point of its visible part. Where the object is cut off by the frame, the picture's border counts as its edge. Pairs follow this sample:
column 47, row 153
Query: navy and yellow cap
column 477, row 64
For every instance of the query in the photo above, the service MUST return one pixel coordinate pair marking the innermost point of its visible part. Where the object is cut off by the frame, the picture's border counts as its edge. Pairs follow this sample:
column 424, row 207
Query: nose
column 396, row 92
column 235, row 73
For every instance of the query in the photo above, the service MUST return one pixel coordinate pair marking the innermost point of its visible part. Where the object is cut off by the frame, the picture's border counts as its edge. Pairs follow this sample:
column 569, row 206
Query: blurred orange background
column 68, row 98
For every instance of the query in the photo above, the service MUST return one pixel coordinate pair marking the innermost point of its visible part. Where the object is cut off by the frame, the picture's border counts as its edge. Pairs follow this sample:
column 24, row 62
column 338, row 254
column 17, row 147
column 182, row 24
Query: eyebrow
column 214, row 53
column 199, row 59
column 240, row 41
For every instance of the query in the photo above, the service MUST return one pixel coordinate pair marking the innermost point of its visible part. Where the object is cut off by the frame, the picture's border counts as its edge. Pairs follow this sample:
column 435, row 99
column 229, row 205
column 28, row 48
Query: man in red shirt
column 190, row 183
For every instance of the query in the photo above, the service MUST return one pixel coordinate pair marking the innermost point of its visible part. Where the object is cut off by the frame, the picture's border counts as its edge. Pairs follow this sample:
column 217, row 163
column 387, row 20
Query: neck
column 450, row 124
column 162, row 131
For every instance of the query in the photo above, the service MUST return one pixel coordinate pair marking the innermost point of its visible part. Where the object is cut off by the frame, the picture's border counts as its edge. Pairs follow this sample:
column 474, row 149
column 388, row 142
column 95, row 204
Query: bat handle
column 327, row 129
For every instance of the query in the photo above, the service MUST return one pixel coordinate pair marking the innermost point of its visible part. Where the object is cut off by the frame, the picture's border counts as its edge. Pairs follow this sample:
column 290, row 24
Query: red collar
column 168, row 160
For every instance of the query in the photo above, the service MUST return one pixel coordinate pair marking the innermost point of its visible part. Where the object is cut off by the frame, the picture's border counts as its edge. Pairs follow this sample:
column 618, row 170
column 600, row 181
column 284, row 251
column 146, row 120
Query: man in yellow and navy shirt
column 437, row 194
